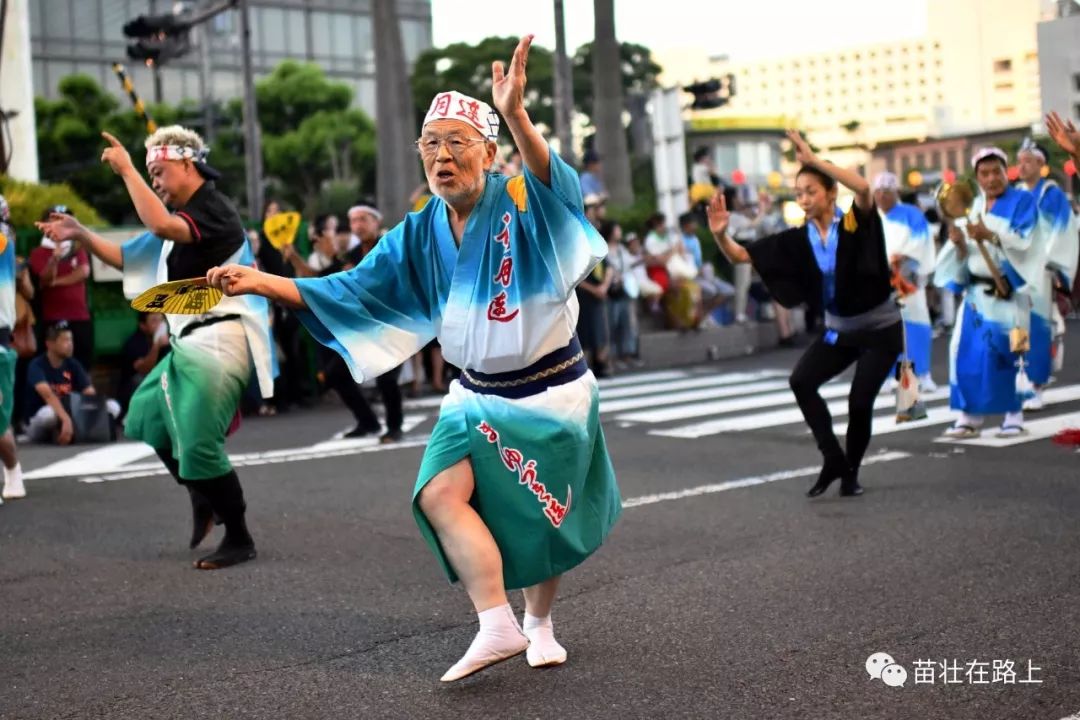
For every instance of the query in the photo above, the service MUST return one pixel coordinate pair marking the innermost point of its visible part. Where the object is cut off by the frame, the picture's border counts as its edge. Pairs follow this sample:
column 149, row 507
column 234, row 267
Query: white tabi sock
column 1013, row 419
column 975, row 421
column 544, row 650
column 13, row 483
column 499, row 638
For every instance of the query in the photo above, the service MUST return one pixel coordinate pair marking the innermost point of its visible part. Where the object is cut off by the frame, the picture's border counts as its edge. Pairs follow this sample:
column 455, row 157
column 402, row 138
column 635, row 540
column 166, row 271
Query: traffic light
column 706, row 94
column 160, row 38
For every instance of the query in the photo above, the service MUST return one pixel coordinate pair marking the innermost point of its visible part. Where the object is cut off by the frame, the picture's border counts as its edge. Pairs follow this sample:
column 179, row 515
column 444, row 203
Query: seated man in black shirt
column 141, row 352
column 51, row 378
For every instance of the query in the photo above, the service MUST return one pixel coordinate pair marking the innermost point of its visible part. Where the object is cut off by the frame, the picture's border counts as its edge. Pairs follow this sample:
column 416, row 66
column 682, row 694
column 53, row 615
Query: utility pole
column 396, row 163
column 564, row 89
column 252, row 143
column 206, row 90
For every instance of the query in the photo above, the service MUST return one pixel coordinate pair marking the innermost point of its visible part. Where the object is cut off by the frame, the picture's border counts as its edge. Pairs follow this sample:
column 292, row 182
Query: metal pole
column 564, row 88
column 252, row 146
column 205, row 87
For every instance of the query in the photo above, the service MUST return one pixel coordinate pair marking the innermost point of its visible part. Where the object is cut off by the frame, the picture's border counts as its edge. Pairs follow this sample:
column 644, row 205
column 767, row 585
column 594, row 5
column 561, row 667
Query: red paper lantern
column 738, row 177
column 1013, row 173
column 1070, row 167
column 949, row 176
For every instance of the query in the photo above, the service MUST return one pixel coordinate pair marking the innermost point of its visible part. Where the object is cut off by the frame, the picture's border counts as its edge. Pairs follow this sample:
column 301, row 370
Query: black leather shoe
column 832, row 470
column 850, row 487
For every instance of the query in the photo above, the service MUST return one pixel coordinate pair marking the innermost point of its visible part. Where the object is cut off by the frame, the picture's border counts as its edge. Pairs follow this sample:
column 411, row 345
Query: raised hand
column 61, row 227
column 234, row 279
column 508, row 87
column 718, row 213
column 1064, row 133
column 803, row 153
column 116, row 155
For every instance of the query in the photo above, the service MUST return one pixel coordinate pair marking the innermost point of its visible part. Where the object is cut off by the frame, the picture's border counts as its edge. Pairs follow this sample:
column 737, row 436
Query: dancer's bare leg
column 472, row 552
column 544, row 650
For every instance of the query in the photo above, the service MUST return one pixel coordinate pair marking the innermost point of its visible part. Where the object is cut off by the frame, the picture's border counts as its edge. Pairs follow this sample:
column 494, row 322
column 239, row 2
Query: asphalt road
column 722, row 593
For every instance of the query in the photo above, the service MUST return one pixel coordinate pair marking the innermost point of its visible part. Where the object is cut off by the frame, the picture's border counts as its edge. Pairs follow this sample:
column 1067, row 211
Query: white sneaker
column 1035, row 402
column 889, row 386
column 927, row 384
column 13, row 485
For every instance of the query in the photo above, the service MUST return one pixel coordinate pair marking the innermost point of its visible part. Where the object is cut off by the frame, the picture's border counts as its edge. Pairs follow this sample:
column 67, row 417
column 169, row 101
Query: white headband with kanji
column 453, row 105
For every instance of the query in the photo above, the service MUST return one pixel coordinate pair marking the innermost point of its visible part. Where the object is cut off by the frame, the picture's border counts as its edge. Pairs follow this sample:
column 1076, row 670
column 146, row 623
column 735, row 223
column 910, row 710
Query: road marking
column 773, row 418
column 106, row 463
column 725, row 406
column 648, row 377
column 886, row 425
column 708, row 393
column 688, row 384
column 809, row 471
column 272, row 457
column 108, row 457
column 1040, row 429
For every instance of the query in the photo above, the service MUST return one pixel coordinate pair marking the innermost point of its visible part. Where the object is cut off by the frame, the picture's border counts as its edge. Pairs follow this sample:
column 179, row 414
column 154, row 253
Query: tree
column 608, row 105
column 467, row 69
column 328, row 146
column 70, row 144
column 639, row 73
column 311, row 137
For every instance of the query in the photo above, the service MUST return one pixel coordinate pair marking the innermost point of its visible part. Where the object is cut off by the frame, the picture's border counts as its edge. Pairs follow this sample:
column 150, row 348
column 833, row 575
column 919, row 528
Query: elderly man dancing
column 516, row 486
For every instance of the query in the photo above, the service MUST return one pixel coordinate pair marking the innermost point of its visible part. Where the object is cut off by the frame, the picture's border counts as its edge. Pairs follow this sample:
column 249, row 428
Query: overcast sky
column 740, row 28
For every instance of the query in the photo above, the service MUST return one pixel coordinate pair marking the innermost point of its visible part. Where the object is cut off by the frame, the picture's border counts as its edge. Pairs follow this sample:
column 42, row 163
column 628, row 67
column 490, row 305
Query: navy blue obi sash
column 556, row 368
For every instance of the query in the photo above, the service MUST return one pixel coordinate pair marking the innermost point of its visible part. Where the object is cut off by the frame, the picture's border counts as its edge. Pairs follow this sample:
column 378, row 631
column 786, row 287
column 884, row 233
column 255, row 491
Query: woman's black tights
column 822, row 362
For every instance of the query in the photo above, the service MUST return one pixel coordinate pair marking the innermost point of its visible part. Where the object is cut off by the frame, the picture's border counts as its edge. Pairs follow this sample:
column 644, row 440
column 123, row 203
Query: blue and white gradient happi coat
column 907, row 234
column 1057, row 228
column 500, row 301
column 982, row 369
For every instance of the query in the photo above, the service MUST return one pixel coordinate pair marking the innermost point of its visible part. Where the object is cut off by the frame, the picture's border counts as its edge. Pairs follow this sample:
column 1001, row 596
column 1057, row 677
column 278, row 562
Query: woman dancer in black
column 836, row 262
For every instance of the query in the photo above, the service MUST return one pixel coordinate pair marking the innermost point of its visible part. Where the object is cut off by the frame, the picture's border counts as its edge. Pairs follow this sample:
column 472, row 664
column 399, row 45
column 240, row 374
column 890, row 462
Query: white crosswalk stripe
column 760, row 400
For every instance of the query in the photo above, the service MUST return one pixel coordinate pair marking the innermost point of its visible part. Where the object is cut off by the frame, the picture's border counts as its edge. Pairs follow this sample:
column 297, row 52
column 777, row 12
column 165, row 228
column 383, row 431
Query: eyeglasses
column 428, row 145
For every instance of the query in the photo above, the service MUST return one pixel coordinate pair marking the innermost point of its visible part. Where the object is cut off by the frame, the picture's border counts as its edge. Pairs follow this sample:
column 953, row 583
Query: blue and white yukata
column 1058, row 228
column 907, row 234
column 187, row 403
column 502, row 305
column 982, row 368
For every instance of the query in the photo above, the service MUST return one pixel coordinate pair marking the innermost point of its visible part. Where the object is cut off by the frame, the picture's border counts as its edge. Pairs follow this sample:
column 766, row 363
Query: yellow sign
column 179, row 297
column 914, row 178
column 281, row 228
column 775, row 179
column 741, row 122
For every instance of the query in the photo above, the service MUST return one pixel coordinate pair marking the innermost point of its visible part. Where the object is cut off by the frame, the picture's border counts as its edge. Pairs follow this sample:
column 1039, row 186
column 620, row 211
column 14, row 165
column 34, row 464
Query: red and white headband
column 453, row 105
column 175, row 152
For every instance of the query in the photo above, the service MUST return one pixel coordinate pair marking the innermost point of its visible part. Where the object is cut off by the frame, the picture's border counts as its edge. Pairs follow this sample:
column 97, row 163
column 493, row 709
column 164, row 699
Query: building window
column 1003, row 86
column 1003, row 65
column 1076, row 82
column 1006, row 110
column 1076, row 111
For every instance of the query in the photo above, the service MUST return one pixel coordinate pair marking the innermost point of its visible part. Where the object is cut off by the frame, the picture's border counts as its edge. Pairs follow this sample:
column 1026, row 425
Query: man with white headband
column 1058, row 228
column 516, row 486
column 186, row 405
column 911, row 252
column 985, row 373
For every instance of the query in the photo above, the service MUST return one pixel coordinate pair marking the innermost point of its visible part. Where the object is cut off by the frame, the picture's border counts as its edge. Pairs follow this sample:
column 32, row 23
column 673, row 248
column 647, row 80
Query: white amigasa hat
column 453, row 105
column 886, row 181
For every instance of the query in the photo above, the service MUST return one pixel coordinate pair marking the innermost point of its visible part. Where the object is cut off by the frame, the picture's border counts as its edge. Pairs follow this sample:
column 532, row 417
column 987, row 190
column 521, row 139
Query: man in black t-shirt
column 185, row 406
